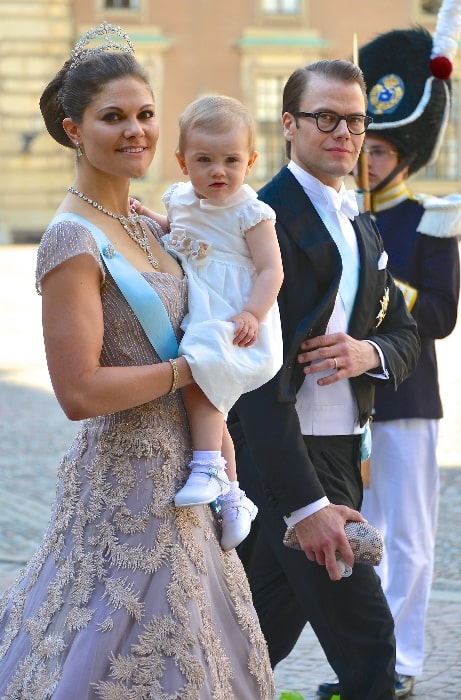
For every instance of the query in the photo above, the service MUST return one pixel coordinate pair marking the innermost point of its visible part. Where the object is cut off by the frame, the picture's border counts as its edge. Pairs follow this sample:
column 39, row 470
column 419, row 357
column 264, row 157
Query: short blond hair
column 215, row 113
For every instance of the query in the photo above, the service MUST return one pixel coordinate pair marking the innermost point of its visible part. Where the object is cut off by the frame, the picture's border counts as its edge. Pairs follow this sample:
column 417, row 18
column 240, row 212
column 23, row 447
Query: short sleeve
column 254, row 212
column 60, row 242
column 168, row 194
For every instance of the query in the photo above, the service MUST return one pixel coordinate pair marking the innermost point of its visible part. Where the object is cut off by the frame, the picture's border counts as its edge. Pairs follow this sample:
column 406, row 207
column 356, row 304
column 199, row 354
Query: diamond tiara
column 107, row 31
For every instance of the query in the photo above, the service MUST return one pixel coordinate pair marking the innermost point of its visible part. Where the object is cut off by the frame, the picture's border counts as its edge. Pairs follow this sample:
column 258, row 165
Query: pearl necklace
column 132, row 225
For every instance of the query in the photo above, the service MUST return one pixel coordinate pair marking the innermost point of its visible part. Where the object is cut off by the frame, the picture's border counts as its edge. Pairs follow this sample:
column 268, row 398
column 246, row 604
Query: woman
column 127, row 596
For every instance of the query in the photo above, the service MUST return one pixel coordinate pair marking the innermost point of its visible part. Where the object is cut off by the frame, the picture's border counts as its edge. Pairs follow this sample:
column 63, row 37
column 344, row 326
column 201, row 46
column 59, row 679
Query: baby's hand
column 135, row 205
column 246, row 329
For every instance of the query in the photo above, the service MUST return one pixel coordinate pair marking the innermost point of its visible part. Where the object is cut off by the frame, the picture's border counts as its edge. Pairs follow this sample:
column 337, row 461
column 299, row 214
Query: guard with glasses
column 421, row 238
column 300, row 438
column 409, row 101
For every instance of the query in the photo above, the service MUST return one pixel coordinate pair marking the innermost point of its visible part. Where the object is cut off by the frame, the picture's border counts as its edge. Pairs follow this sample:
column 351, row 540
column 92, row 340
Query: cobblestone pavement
column 34, row 434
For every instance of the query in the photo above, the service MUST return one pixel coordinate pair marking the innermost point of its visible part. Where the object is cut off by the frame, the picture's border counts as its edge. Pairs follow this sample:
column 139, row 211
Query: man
column 420, row 238
column 402, row 500
column 409, row 105
column 298, row 438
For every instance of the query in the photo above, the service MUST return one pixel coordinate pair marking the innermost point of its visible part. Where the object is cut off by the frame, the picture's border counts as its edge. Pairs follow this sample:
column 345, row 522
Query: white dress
column 209, row 240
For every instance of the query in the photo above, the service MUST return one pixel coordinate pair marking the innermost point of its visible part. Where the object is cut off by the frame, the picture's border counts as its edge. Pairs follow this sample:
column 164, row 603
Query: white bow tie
column 344, row 202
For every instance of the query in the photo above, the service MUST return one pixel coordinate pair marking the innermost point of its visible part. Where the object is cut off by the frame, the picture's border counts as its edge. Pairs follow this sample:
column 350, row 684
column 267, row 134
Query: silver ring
column 336, row 363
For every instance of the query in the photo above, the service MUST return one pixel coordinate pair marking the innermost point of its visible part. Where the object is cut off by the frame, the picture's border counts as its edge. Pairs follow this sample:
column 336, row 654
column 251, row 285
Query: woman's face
column 119, row 130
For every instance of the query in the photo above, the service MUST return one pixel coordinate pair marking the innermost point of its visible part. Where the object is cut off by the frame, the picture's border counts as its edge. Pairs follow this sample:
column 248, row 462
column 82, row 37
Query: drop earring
column 78, row 150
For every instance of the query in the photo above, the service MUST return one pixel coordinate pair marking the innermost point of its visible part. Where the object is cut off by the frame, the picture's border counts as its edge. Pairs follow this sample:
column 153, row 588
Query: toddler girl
column 225, row 240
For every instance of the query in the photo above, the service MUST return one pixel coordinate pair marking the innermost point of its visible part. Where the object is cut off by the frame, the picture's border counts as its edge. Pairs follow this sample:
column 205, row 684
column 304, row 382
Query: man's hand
column 343, row 355
column 321, row 535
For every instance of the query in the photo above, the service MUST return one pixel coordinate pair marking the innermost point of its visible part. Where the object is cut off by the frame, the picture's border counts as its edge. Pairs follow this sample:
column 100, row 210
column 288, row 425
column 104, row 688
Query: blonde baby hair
column 215, row 113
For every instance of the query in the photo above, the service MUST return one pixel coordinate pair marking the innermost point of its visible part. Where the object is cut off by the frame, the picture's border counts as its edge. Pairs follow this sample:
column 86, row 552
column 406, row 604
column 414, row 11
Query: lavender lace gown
column 128, row 597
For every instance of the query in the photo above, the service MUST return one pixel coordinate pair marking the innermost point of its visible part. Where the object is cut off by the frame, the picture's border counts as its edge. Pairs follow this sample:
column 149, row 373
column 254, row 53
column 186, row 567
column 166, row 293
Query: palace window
column 267, row 111
column 282, row 7
column 121, row 4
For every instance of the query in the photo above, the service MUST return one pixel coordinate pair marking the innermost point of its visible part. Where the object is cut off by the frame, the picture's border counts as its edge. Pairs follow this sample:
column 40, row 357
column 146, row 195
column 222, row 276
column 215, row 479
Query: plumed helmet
column 408, row 93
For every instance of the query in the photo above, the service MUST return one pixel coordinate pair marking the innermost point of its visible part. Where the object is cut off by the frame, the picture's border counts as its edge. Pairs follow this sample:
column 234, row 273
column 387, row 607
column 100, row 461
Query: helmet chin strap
column 398, row 168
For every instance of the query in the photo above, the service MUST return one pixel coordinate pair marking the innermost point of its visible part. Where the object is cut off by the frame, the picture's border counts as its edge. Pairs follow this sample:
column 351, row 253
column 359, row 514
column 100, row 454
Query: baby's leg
column 208, row 478
column 205, row 421
column 228, row 453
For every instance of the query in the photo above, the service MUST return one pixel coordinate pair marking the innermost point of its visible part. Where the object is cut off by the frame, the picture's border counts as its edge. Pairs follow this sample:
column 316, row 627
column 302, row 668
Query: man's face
column 326, row 156
column 382, row 159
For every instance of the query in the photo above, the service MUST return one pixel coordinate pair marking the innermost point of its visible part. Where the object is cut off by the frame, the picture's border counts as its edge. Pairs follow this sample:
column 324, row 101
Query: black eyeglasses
column 328, row 121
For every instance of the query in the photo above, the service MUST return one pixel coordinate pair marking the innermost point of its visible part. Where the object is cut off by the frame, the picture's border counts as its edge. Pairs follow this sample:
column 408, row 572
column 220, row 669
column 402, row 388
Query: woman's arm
column 73, row 331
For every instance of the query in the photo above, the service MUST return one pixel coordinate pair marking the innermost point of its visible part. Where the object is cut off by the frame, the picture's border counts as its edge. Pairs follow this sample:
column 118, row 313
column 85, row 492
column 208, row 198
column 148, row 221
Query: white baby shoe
column 237, row 513
column 206, row 482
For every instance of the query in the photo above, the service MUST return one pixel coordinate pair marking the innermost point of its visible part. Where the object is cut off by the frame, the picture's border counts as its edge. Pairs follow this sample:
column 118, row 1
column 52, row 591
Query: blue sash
column 142, row 298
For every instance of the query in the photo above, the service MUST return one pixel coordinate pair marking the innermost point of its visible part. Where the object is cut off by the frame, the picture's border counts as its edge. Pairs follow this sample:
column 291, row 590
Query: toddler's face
column 216, row 163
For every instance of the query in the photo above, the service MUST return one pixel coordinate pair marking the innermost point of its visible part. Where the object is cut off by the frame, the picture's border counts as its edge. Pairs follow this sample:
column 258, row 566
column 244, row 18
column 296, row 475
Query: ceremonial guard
column 409, row 98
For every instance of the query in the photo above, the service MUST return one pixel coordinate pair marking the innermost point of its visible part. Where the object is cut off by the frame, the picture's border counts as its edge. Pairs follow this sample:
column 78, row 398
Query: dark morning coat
column 266, row 418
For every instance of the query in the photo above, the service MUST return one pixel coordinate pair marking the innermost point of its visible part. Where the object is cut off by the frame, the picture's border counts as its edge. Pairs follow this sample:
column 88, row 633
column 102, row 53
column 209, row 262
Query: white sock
column 234, row 494
column 206, row 456
column 209, row 458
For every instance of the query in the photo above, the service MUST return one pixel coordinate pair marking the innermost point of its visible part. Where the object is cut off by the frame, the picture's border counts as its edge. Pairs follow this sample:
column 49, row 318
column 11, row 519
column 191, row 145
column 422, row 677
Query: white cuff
column 297, row 515
column 379, row 375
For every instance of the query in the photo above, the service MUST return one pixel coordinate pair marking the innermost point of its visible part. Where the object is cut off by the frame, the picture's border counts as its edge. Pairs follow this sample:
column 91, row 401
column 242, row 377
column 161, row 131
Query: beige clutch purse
column 365, row 541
